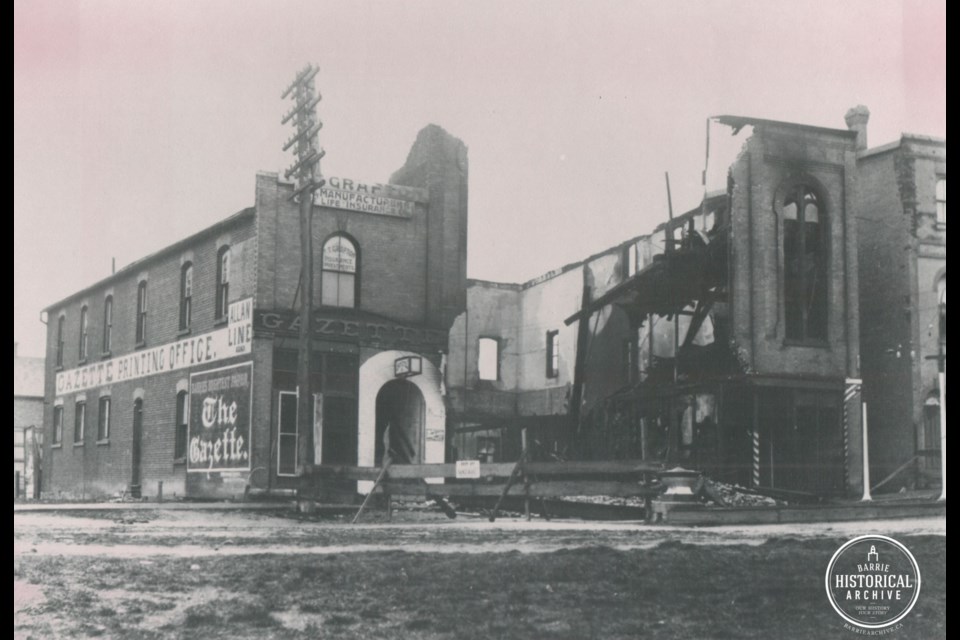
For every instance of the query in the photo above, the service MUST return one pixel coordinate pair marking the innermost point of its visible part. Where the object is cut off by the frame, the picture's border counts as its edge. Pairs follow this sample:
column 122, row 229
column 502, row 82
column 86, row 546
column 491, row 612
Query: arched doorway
column 378, row 371
column 400, row 406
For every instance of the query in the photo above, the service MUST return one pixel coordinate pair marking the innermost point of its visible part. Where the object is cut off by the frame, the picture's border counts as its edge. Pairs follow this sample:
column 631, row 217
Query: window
column 553, row 354
column 142, row 312
column 103, row 419
column 83, row 333
column 630, row 365
column 107, row 324
column 488, row 358
column 487, row 449
column 631, row 259
column 287, row 442
column 186, row 295
column 223, row 281
column 942, row 200
column 340, row 262
column 942, row 307
column 57, row 435
column 61, row 321
column 805, row 265
column 79, row 422
column 931, row 423
column 181, row 421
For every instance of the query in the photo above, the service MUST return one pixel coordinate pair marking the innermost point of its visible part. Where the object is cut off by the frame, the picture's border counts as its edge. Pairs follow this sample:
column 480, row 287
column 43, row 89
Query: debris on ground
column 732, row 495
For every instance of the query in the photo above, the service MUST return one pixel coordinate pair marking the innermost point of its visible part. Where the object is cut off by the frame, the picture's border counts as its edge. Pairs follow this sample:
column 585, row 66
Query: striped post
column 853, row 388
column 756, row 457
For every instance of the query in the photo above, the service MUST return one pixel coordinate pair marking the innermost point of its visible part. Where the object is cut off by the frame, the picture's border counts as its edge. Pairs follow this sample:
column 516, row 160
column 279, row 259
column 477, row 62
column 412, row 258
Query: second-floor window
column 488, row 358
column 223, row 281
column 142, row 312
column 83, row 333
column 186, row 295
column 107, row 324
column 553, row 354
column 805, row 265
column 338, row 286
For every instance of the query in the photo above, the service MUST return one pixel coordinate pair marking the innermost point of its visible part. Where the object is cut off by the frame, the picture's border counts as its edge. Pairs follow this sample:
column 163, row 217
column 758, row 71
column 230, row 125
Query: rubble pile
column 607, row 500
column 731, row 495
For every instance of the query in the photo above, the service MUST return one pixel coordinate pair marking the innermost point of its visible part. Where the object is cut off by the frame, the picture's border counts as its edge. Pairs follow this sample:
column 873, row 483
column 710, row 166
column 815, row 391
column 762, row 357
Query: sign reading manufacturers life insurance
column 233, row 340
column 343, row 193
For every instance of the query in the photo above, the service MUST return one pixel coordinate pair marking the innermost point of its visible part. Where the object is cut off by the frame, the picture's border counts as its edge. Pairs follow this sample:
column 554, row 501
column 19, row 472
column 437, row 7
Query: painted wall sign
column 219, row 427
column 342, row 193
column 340, row 255
column 233, row 340
column 468, row 468
column 380, row 333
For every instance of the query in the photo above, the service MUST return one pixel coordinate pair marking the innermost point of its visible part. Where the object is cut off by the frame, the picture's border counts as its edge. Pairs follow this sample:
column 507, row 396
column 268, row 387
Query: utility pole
column 306, row 171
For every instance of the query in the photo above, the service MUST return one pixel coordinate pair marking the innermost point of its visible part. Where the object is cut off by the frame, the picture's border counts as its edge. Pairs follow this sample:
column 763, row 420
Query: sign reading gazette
column 232, row 340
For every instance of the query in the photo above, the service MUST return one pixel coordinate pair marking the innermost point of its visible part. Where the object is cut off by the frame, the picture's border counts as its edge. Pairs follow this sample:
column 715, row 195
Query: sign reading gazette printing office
column 232, row 340
column 379, row 199
column 219, row 428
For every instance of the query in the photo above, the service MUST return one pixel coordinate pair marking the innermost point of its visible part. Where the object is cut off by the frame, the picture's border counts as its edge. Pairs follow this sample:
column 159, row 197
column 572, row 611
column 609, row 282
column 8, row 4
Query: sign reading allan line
column 233, row 340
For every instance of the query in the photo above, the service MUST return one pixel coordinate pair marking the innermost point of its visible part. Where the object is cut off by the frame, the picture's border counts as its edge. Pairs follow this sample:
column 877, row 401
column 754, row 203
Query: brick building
column 903, row 273
column 180, row 369
column 726, row 340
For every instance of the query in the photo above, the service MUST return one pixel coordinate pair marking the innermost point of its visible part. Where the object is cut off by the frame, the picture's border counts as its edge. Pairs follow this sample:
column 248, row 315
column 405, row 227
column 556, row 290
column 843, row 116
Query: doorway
column 136, row 447
column 400, row 406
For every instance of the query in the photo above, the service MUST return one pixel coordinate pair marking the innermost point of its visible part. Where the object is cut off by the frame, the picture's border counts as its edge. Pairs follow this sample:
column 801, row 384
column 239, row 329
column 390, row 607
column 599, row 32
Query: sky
column 137, row 124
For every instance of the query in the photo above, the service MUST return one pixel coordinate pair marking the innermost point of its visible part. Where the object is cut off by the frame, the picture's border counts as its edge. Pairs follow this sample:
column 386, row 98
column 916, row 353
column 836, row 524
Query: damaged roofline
column 739, row 122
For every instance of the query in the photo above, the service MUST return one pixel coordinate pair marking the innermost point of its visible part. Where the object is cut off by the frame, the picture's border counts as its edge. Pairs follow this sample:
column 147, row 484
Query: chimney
column 857, row 119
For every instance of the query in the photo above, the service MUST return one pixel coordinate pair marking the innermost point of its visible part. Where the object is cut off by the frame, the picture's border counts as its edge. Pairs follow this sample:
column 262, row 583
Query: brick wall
column 776, row 157
column 412, row 269
column 885, row 268
column 93, row 468
column 902, row 255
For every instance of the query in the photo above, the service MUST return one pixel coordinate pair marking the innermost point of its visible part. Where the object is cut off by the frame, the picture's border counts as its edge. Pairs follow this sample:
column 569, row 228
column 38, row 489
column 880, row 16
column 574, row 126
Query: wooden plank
column 496, row 470
column 536, row 490
column 380, row 478
column 517, row 468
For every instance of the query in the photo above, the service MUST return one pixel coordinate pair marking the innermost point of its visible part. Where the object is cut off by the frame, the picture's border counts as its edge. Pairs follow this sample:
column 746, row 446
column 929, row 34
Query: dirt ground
column 193, row 574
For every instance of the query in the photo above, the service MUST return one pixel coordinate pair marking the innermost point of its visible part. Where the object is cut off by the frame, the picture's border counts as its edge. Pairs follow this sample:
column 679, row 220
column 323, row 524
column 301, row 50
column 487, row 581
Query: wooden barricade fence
column 522, row 479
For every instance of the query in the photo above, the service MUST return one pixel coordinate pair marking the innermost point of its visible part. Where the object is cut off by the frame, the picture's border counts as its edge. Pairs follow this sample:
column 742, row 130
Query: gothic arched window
column 805, row 265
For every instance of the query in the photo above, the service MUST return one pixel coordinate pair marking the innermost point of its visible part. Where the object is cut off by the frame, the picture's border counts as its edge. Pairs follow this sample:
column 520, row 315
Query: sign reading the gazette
column 219, row 428
column 342, row 193
column 233, row 340
column 367, row 330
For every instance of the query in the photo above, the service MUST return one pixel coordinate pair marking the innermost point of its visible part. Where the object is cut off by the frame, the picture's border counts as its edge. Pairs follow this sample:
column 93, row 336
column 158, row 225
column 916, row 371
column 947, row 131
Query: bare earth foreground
column 198, row 574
